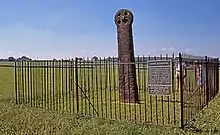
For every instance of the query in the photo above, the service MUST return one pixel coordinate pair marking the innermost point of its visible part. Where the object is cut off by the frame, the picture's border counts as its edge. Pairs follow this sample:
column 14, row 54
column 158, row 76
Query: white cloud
column 172, row 49
column 164, row 49
column 188, row 50
column 168, row 49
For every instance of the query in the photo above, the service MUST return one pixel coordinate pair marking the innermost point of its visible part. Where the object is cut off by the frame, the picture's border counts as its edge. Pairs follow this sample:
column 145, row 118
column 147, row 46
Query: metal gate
column 200, row 84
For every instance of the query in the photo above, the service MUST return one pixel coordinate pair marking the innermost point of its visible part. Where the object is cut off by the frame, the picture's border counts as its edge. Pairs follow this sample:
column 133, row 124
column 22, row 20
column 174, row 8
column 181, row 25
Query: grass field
column 18, row 119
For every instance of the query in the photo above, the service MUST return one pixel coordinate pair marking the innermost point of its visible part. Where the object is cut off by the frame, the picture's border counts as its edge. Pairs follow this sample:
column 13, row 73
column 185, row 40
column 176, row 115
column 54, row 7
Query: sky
column 63, row 29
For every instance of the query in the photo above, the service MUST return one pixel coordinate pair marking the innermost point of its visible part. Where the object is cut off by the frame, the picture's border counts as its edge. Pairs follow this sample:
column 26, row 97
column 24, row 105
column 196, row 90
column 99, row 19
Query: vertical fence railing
column 91, row 88
column 217, row 75
column 94, row 86
column 207, row 79
column 199, row 86
column 77, row 88
column 181, row 91
column 16, row 86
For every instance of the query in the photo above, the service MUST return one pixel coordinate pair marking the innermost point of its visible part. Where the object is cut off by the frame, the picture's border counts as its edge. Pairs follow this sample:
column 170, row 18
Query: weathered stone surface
column 127, row 73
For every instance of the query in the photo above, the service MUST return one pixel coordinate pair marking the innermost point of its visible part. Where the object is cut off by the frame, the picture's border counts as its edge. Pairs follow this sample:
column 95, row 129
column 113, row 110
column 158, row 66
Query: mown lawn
column 20, row 119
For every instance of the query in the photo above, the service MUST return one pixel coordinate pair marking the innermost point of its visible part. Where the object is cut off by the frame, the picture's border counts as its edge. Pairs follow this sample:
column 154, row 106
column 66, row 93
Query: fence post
column 16, row 88
column 181, row 91
column 217, row 76
column 207, row 80
column 77, row 84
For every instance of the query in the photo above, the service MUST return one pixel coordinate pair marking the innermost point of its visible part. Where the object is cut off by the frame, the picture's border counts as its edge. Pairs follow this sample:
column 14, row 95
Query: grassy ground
column 18, row 119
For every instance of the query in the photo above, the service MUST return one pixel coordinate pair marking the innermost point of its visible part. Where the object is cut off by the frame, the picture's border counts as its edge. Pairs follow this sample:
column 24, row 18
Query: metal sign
column 160, row 77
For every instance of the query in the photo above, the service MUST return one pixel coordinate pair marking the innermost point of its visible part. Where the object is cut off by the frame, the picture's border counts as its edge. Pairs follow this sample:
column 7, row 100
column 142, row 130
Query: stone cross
column 127, row 71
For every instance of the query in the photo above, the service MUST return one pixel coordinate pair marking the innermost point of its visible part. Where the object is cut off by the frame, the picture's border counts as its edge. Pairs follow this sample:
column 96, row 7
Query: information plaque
column 160, row 77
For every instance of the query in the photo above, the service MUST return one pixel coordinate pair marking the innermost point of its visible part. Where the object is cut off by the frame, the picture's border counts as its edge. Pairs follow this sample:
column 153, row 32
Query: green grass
column 20, row 119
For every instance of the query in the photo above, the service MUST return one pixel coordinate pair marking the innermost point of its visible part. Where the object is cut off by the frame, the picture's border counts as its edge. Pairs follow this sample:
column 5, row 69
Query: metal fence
column 91, row 88
column 199, row 85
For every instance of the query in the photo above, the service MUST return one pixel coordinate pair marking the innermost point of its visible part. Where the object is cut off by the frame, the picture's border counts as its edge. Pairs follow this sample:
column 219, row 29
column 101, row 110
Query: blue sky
column 68, row 28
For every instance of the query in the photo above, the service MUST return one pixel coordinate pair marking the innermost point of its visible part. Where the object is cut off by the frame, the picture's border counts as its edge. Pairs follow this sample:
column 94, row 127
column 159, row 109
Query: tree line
column 11, row 59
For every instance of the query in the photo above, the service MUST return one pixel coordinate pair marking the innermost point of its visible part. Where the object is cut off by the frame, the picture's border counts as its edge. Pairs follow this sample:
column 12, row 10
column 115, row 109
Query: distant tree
column 109, row 58
column 95, row 58
column 80, row 59
column 11, row 59
column 3, row 59
column 24, row 58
